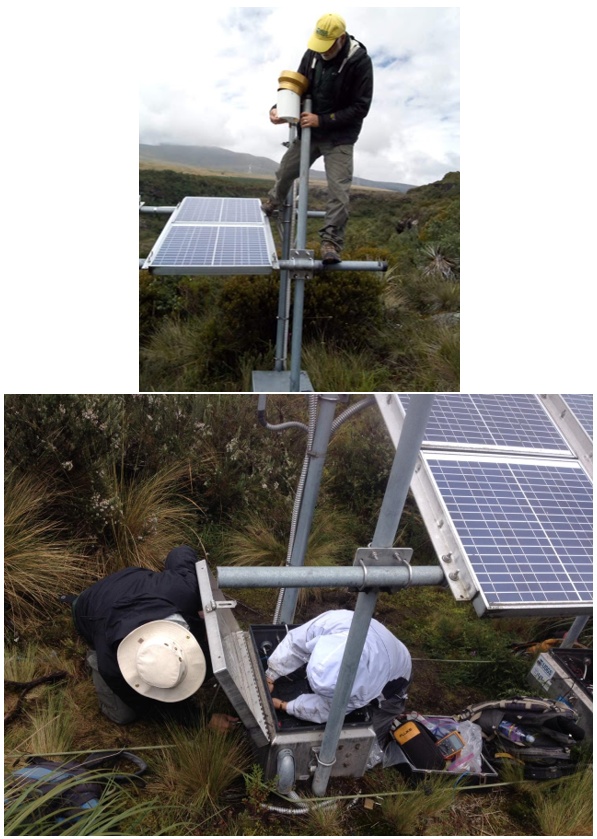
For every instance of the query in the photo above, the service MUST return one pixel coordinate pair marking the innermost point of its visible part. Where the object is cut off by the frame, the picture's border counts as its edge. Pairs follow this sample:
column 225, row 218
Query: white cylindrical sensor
column 288, row 105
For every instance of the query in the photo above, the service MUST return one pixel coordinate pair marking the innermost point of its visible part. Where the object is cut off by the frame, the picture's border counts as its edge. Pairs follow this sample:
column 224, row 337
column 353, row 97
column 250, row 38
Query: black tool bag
column 67, row 789
column 418, row 744
column 553, row 725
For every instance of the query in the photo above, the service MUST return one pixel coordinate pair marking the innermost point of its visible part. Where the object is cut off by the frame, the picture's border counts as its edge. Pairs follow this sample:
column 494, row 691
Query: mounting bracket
column 383, row 557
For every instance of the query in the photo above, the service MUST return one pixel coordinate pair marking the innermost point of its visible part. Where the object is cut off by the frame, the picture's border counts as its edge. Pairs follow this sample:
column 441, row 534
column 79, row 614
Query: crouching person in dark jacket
column 147, row 638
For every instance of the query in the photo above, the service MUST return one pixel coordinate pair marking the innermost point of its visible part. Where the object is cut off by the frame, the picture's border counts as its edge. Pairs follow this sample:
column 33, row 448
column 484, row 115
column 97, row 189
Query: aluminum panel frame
column 573, row 426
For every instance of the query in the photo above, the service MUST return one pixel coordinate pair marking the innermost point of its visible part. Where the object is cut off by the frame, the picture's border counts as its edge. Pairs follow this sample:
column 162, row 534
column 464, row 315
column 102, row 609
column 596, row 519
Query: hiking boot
column 330, row 253
column 269, row 207
column 67, row 599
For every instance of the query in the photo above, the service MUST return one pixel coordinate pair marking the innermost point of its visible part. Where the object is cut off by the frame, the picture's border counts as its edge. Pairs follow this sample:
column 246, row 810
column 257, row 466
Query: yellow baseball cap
column 328, row 29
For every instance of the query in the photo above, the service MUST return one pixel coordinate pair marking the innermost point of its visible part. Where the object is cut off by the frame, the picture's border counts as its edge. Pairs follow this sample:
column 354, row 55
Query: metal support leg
column 407, row 451
column 575, row 630
column 282, row 329
column 301, row 239
column 403, row 466
column 317, row 455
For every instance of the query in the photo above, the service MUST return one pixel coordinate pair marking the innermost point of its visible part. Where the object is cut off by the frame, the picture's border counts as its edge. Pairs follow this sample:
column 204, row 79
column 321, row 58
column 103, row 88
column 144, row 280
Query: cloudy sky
column 212, row 72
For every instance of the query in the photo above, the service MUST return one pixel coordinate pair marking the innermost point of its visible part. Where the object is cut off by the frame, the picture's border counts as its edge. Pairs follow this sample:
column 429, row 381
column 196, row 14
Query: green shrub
column 249, row 306
column 342, row 307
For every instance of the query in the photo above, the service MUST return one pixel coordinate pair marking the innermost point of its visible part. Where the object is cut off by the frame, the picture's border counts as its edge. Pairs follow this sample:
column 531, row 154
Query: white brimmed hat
column 162, row 660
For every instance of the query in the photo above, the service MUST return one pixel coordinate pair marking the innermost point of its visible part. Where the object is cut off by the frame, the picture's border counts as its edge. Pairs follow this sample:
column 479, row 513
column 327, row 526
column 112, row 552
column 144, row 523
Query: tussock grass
column 325, row 821
column 25, row 662
column 201, row 767
column 257, row 544
column 442, row 352
column 564, row 807
column 337, row 370
column 405, row 814
column 21, row 663
column 175, row 354
column 51, row 725
column 150, row 518
column 38, row 560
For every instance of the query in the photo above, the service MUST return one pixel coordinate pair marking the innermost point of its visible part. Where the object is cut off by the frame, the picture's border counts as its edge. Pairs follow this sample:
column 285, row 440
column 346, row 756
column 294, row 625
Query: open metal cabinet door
column 234, row 661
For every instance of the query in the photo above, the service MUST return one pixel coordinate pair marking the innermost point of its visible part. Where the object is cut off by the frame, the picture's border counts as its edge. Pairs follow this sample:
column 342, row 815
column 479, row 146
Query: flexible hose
column 351, row 411
column 303, row 807
column 261, row 403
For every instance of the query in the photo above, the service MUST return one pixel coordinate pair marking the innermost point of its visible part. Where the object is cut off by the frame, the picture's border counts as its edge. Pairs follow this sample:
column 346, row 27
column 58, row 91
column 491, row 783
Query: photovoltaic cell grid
column 526, row 529
column 514, row 422
column 581, row 405
column 214, row 236
column 219, row 211
column 213, row 247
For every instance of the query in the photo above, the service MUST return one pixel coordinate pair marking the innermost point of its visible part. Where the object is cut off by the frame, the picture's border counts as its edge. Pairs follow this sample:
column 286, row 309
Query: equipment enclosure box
column 567, row 675
column 239, row 660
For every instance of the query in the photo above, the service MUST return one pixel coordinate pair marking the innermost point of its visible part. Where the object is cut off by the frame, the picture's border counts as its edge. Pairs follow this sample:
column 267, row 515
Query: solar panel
column 214, row 236
column 504, row 486
column 525, row 529
column 513, row 422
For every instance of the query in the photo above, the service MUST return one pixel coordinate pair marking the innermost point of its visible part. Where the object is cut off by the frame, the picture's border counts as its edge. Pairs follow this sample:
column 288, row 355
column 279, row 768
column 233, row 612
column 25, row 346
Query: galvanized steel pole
column 310, row 264
column 407, row 451
column 403, row 467
column 282, row 331
column 301, row 239
column 575, row 630
column 233, row 576
column 303, row 197
column 321, row 437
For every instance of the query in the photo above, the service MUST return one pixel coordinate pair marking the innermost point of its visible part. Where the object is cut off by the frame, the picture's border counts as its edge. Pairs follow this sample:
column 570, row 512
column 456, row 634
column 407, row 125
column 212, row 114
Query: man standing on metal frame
column 340, row 75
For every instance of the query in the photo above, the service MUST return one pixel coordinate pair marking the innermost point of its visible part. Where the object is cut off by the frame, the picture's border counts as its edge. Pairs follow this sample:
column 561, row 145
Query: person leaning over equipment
column 382, row 677
column 147, row 638
column 340, row 75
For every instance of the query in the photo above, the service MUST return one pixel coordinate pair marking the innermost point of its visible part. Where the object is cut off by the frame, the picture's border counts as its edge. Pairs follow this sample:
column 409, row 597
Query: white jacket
column 320, row 644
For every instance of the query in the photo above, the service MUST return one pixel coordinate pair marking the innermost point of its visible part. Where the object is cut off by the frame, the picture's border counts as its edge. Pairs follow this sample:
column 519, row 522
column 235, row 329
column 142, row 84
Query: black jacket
column 341, row 91
column 108, row 610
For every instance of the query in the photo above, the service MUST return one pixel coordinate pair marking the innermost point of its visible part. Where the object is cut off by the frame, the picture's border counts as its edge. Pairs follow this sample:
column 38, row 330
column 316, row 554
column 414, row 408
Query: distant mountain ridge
column 220, row 160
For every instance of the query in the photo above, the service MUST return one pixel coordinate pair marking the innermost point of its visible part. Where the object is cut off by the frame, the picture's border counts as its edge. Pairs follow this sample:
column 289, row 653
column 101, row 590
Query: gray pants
column 338, row 163
column 110, row 704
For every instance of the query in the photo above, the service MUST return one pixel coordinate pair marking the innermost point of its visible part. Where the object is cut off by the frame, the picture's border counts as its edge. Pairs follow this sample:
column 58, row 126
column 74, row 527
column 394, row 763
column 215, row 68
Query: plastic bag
column 438, row 726
column 375, row 755
column 469, row 759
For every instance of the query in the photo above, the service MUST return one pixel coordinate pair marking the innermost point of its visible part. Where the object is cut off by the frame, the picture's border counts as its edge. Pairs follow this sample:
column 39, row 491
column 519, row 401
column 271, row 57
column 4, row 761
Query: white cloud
column 211, row 76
